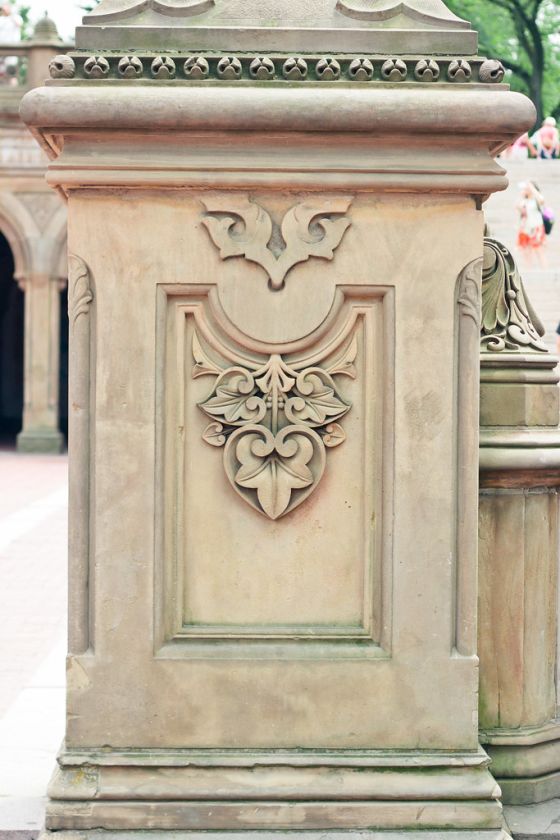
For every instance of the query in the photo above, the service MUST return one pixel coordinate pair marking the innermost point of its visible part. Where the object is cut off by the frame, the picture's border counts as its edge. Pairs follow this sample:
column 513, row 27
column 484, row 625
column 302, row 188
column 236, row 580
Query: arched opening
column 11, row 348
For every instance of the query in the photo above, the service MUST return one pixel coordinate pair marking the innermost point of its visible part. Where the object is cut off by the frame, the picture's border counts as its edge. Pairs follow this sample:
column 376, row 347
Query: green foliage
column 525, row 36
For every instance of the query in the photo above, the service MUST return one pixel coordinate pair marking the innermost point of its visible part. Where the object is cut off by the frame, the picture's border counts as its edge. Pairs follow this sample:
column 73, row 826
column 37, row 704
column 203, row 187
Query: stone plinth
column 520, row 476
column 274, row 298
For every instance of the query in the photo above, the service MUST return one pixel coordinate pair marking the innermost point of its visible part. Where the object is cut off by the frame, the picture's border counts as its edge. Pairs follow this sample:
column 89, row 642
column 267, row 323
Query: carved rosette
column 509, row 322
column 275, row 420
column 240, row 227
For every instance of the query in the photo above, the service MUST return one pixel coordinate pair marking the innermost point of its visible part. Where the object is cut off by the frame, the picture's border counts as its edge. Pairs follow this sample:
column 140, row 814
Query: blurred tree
column 23, row 11
column 525, row 36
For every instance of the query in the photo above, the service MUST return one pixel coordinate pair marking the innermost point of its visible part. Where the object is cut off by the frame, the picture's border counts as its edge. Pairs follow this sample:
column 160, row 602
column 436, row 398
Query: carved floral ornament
column 509, row 322
column 275, row 420
column 240, row 227
column 308, row 69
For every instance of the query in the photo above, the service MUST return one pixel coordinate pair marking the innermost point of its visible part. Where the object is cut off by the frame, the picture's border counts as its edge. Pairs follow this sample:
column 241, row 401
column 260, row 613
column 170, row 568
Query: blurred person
column 545, row 143
column 518, row 150
column 532, row 234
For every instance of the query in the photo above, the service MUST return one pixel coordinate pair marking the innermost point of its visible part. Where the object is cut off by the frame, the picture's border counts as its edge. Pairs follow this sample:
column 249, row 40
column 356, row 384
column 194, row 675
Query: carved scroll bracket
column 429, row 11
column 509, row 322
column 80, row 294
column 240, row 227
column 276, row 421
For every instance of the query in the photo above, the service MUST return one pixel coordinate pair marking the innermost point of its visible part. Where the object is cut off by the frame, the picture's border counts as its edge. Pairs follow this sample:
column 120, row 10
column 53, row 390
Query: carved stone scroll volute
column 275, row 420
column 240, row 227
column 509, row 321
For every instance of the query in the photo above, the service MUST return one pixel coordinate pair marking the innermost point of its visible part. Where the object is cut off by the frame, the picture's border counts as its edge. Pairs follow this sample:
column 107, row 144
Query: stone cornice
column 239, row 137
column 386, row 111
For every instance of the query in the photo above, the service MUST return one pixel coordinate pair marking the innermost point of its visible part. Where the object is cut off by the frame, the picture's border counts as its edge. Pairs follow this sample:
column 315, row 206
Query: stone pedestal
column 520, row 476
column 274, row 298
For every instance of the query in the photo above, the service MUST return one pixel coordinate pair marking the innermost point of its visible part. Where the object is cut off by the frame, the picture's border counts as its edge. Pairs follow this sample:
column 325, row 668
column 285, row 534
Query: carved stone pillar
column 519, row 479
column 274, row 308
column 40, row 431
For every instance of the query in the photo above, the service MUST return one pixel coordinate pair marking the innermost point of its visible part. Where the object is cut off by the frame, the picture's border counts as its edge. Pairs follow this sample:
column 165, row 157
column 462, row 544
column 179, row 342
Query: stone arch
column 13, row 227
column 57, row 236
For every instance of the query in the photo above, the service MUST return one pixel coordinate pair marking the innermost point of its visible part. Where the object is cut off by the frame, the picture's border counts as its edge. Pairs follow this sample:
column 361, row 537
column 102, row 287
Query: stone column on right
column 518, row 538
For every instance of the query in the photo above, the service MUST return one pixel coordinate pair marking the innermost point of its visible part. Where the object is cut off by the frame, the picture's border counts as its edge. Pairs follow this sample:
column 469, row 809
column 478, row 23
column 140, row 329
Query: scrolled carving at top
column 469, row 291
column 80, row 293
column 109, row 10
column 240, row 227
column 509, row 322
column 426, row 11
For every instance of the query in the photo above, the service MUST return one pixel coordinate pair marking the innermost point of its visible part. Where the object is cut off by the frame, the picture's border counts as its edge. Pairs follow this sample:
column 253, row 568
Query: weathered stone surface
column 334, row 25
column 276, row 437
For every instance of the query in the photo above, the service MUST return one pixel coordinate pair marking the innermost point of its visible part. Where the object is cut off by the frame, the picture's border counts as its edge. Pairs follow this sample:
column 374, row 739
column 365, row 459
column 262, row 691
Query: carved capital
column 240, row 227
column 509, row 322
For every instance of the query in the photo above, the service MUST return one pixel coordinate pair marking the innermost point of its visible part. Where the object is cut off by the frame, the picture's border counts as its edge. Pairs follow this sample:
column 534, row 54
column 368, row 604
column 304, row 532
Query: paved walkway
column 33, row 490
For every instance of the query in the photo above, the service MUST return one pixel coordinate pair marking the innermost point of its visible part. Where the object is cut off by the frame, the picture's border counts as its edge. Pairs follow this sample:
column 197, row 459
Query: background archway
column 11, row 348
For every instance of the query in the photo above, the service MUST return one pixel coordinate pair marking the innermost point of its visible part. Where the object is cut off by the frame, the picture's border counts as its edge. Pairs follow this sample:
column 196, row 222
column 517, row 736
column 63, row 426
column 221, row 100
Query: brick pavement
column 33, row 557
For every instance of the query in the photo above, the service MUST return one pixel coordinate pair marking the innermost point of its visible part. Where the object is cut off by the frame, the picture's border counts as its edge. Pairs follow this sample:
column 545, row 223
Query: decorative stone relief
column 62, row 67
column 469, row 291
column 244, row 68
column 492, row 71
column 80, row 294
column 509, row 322
column 430, row 11
column 110, row 10
column 240, row 227
column 275, row 420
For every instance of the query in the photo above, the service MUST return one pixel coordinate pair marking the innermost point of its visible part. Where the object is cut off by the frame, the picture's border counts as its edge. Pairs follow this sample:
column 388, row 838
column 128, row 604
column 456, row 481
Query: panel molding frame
column 172, row 640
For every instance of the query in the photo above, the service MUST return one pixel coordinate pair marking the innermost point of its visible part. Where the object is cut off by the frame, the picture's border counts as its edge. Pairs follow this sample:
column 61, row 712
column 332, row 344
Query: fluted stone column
column 40, row 431
column 274, row 306
column 519, row 478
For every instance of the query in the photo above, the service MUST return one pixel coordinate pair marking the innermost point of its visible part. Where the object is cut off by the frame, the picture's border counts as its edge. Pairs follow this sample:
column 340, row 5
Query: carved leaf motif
column 214, row 434
column 301, row 239
column 470, row 291
column 508, row 319
column 274, row 465
column 333, row 435
column 80, row 294
column 203, row 364
column 255, row 232
column 316, row 399
column 234, row 398
column 344, row 365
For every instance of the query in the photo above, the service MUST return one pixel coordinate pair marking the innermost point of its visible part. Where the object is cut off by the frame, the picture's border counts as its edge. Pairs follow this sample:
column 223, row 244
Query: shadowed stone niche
column 276, row 239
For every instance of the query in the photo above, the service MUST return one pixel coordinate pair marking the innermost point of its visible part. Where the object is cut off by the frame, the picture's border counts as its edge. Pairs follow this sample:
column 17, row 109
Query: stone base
column 180, row 793
column 100, row 834
column 45, row 441
column 527, row 765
